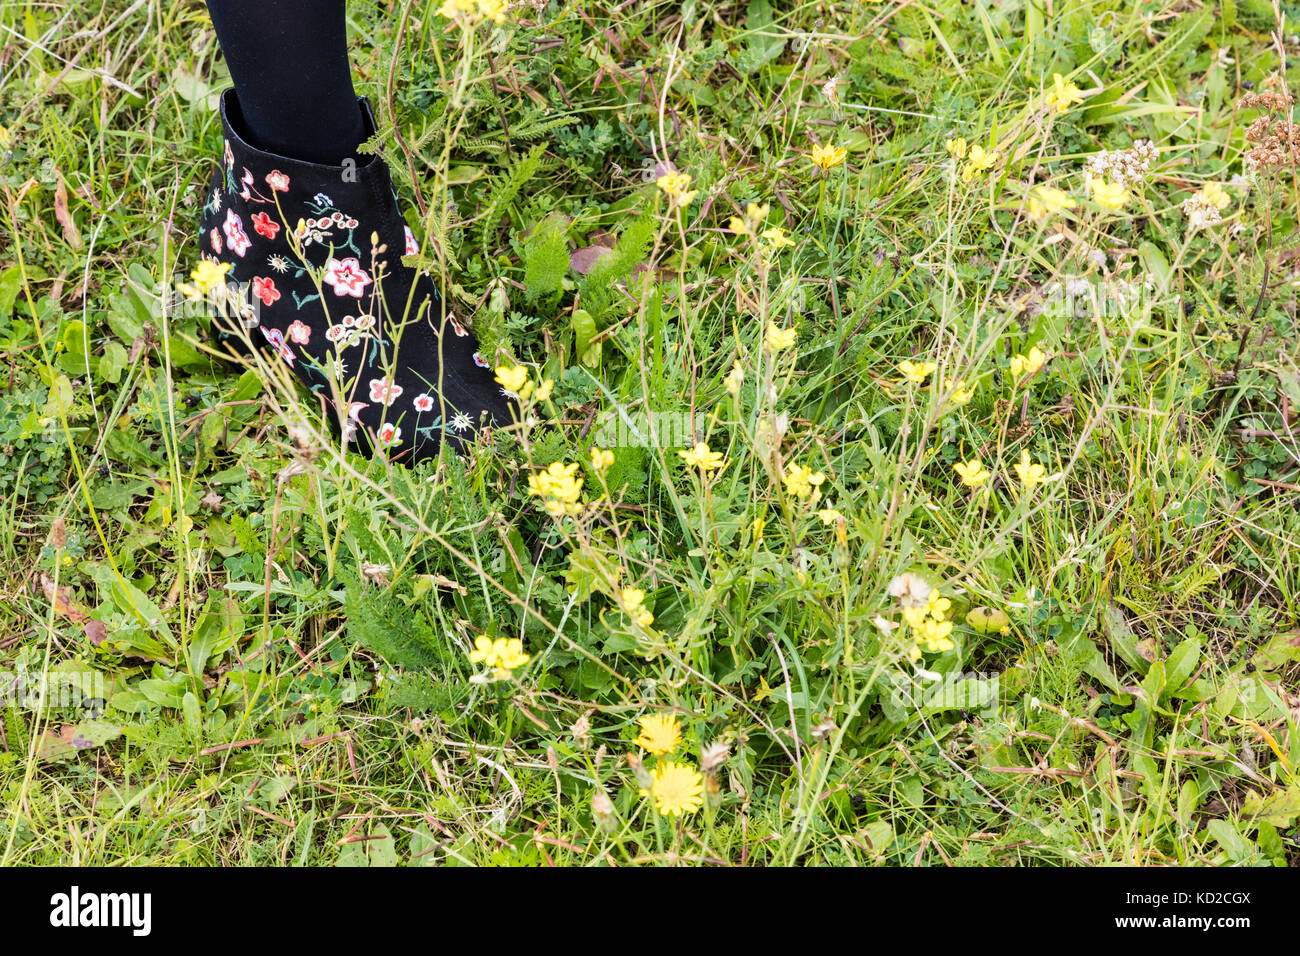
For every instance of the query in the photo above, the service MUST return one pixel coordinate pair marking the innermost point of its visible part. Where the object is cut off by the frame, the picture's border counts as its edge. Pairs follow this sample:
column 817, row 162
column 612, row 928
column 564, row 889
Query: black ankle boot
column 318, row 250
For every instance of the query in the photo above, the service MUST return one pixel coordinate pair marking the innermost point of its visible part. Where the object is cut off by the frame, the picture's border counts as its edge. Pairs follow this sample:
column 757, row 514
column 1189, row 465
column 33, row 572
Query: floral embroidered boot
column 316, row 251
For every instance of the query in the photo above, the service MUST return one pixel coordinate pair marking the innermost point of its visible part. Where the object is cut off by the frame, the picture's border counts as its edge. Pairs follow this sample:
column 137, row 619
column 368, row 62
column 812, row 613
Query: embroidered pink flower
column 299, row 332
column 236, row 238
column 264, row 225
column 276, row 338
column 246, row 180
column 423, row 403
column 354, row 410
column 389, row 434
column 382, row 390
column 265, row 290
column 230, row 156
column 347, row 277
column 214, row 237
column 277, row 181
column 457, row 327
column 412, row 247
column 480, row 361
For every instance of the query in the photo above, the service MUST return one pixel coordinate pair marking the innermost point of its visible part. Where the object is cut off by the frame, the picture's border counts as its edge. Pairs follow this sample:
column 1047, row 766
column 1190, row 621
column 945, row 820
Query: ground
column 983, row 313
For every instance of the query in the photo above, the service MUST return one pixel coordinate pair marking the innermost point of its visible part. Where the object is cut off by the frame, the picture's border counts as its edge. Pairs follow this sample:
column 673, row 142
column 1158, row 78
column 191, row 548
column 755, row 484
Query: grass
column 281, row 633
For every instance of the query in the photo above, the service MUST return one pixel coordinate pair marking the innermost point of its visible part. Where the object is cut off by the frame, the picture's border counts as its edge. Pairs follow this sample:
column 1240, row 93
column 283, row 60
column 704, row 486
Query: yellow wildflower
column 829, row 516
column 735, row 378
column 802, row 482
column 502, row 655
column 559, row 487
column 1030, row 473
column 1108, row 195
column 917, row 372
column 779, row 338
column 677, row 187
column 207, row 276
column 632, row 601
column 659, row 734
column 514, row 379
column 1026, row 365
column 1046, row 201
column 1063, row 95
column 700, row 457
column 957, row 148
column 676, row 788
column 827, row 157
column 1215, row 195
column 980, row 160
column 776, row 238
column 601, row 459
column 972, row 473
column 959, row 393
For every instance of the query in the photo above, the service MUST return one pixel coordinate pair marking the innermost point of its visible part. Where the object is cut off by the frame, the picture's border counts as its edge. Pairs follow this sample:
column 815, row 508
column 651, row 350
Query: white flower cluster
column 1124, row 166
column 1201, row 211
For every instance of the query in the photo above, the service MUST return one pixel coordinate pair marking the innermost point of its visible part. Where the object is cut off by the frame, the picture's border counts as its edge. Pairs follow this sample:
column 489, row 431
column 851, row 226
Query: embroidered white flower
column 389, row 434
column 423, row 403
column 459, row 422
column 346, row 277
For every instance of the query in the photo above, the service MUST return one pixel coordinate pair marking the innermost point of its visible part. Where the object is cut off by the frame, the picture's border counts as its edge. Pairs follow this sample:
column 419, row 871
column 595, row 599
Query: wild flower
column 753, row 218
column 1046, row 201
column 503, row 655
column 916, row 372
column 956, row 147
column 660, row 734
column 831, row 90
column 779, row 338
column 559, row 487
column 1023, row 366
column 512, row 378
column 980, row 160
column 929, row 624
column 632, row 601
column 1106, row 194
column 207, row 275
column 1127, row 167
column 910, row 590
column 1205, row 207
column 1063, row 94
column 735, row 378
column 802, row 482
column 1031, row 474
column 601, row 459
column 959, row 393
column 677, row 187
column 702, row 458
column 676, row 788
column 467, row 13
column 829, row 515
column 827, row 157
column 776, row 238
column 972, row 473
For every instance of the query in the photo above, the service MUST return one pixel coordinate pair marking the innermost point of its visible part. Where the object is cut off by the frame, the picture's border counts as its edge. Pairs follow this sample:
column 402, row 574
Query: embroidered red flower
column 346, row 277
column 423, row 403
column 389, row 434
column 277, row 181
column 264, row 225
column 265, row 290
column 382, row 390
column 480, row 361
column 236, row 238
column 299, row 332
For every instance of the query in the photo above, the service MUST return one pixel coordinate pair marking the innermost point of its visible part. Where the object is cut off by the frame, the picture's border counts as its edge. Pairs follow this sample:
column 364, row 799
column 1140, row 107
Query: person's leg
column 288, row 60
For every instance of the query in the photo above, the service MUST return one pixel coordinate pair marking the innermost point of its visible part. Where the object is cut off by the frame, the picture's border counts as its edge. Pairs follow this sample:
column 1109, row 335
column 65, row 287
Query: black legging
column 289, row 62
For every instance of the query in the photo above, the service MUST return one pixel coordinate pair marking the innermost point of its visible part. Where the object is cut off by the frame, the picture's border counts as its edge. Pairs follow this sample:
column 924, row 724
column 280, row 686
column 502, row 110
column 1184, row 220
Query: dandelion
column 601, row 459
column 1026, row 365
column 779, row 338
column 677, row 187
column 957, row 148
column 700, row 457
column 1063, row 95
column 828, row 157
column 910, row 590
column 1030, row 472
column 676, row 788
column 1046, row 201
column 1107, row 195
column 802, row 482
column 917, row 372
column 659, row 734
column 831, row 90
column 972, row 473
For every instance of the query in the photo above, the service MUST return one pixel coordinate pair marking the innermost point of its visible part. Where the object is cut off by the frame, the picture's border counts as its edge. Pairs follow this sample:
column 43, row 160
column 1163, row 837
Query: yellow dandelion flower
column 827, row 157
column 208, row 274
column 676, row 788
column 677, row 187
column 659, row 734
column 512, row 378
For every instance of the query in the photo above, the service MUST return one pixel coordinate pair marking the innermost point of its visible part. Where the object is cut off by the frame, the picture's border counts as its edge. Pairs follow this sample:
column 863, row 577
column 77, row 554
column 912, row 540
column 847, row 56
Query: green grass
column 283, row 632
